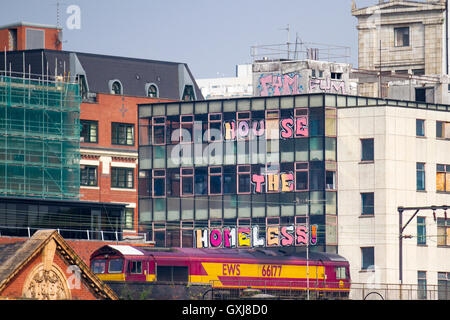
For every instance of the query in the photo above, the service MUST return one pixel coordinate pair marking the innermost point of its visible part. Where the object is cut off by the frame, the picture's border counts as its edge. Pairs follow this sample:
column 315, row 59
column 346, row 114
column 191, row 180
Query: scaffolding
column 39, row 138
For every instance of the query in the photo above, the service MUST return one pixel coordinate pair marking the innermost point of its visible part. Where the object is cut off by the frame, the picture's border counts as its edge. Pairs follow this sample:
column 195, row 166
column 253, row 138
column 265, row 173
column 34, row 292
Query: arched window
column 152, row 91
column 115, row 87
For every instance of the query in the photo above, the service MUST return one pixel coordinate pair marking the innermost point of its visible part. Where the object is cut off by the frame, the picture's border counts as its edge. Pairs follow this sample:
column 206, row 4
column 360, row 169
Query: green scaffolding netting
column 39, row 138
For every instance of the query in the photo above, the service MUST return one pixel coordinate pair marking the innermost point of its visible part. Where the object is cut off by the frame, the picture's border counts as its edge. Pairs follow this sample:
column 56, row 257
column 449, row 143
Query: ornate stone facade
column 45, row 284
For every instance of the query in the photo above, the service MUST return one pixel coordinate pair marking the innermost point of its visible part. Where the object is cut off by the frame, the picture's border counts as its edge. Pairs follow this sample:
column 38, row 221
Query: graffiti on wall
column 327, row 85
column 249, row 237
column 279, row 84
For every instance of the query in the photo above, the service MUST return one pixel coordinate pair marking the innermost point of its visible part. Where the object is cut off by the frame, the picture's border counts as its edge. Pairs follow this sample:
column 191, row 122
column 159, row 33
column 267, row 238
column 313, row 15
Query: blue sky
column 211, row 36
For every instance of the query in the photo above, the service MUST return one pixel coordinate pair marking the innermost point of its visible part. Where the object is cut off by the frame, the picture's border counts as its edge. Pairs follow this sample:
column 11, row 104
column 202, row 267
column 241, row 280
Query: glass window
column 243, row 179
column 340, row 273
column 301, row 176
column 89, row 131
column 367, row 258
column 152, row 91
column 122, row 178
column 187, row 181
column 421, row 231
column 159, row 183
column 401, row 36
column 420, row 175
column 367, row 201
column 88, row 175
column 229, row 180
column 443, row 178
column 122, row 133
column 98, row 266
column 442, row 129
column 420, row 128
column 159, row 130
column 443, row 285
column 135, row 267
column 188, row 94
column 443, row 232
column 115, row 266
column 116, row 88
column 367, row 149
column 421, row 285
column 128, row 218
column 201, row 181
column 215, row 180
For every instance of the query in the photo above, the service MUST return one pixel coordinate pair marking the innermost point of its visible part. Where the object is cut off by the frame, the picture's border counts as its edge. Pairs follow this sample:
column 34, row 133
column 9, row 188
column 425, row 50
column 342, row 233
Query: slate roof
column 14, row 256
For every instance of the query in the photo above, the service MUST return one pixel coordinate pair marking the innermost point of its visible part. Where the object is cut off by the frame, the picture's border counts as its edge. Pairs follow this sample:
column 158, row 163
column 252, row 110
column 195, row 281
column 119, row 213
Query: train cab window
column 135, row 267
column 341, row 273
column 172, row 273
column 115, row 265
column 98, row 266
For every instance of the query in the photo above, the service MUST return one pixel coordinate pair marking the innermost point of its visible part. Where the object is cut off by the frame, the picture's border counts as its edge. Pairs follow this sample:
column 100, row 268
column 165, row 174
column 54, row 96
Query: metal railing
column 385, row 291
column 74, row 234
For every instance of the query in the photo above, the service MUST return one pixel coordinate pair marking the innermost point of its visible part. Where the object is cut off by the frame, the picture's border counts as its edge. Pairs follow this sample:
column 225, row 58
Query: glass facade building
column 262, row 161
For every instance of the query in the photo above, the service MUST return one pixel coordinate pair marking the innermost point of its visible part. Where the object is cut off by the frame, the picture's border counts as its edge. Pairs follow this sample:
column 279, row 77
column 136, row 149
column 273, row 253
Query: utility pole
column 402, row 228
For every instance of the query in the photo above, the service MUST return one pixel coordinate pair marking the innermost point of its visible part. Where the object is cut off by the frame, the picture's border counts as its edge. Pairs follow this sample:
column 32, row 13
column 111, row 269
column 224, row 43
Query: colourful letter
column 301, row 235
column 286, row 128
column 301, row 127
column 273, row 236
column 287, row 182
column 288, row 239
column 243, row 129
column 313, row 234
column 259, row 132
column 229, row 234
column 257, row 242
column 273, row 182
column 202, row 238
column 259, row 180
column 244, row 237
column 230, row 134
column 215, row 238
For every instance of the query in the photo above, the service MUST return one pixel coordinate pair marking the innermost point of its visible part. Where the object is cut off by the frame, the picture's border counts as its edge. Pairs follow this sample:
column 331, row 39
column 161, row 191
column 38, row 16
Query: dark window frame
column 119, row 177
column 89, row 171
column 119, row 134
column 86, row 131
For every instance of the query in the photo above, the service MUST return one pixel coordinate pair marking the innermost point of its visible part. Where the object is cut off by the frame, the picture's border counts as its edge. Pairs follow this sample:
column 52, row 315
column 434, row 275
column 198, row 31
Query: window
column 401, row 71
column 135, row 267
column 172, row 273
column 187, row 182
column 421, row 285
column 159, row 183
column 442, row 129
column 116, row 87
column 128, row 218
column 421, row 231
column 420, row 128
column 215, row 180
column 443, row 285
column 420, row 176
column 122, row 178
column 301, row 176
column 98, row 266
column 443, row 178
column 443, row 232
column 367, row 258
column 330, row 176
column 367, row 150
column 243, row 179
column 336, row 75
column 115, row 265
column 89, row 131
column 159, row 130
column 401, row 36
column 152, row 91
column 188, row 94
column 122, row 134
column 418, row 72
column 88, row 176
column 367, row 203
column 214, row 127
column 340, row 273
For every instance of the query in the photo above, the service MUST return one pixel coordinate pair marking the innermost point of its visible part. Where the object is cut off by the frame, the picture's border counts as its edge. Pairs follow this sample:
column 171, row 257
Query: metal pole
column 400, row 248
column 307, row 262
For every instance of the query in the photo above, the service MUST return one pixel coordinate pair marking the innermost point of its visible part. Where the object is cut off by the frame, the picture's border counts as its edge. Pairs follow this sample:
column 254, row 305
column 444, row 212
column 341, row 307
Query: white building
column 227, row 87
column 390, row 154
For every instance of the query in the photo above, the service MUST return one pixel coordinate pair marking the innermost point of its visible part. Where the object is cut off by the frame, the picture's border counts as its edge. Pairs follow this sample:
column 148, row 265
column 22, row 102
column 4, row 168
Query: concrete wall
column 392, row 178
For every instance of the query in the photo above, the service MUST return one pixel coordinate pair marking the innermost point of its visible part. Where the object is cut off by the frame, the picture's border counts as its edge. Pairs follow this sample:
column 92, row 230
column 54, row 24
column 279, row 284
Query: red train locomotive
column 276, row 272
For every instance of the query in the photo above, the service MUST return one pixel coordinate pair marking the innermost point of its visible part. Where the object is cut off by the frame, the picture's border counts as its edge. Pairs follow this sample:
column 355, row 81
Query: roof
column 29, row 24
column 14, row 257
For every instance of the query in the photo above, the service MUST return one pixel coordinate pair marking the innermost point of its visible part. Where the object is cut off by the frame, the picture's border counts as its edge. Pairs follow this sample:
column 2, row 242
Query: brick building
column 110, row 88
column 45, row 267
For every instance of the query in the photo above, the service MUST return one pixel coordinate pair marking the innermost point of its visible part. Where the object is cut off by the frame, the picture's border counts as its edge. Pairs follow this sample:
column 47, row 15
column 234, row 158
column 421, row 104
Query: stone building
column 406, row 40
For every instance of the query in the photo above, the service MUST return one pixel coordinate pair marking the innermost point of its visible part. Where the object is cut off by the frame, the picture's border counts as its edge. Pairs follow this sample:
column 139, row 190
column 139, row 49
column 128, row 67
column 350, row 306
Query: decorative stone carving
column 44, row 284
